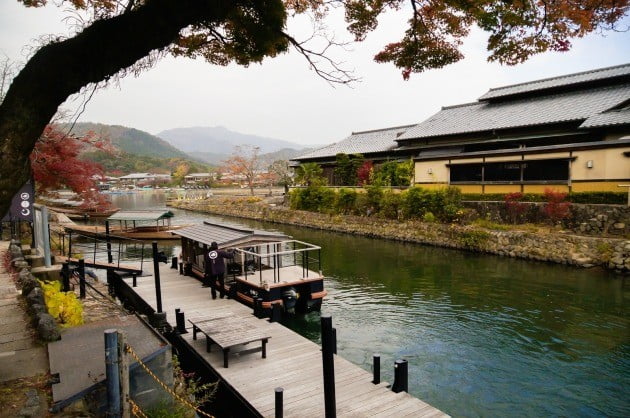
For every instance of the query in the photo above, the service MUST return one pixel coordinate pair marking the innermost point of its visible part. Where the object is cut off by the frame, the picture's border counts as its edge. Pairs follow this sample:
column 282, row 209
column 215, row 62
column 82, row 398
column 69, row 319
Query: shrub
column 415, row 202
column 313, row 198
column 514, row 207
column 374, row 195
column 346, row 201
column 428, row 217
column 556, row 208
column 473, row 239
column 390, row 205
column 63, row 306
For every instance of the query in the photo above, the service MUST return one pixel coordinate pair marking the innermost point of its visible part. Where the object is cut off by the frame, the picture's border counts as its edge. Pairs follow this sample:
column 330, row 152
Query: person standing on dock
column 215, row 269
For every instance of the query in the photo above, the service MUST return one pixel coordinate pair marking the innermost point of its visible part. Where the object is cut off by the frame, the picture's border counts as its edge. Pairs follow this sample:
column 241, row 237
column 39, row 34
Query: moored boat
column 268, row 267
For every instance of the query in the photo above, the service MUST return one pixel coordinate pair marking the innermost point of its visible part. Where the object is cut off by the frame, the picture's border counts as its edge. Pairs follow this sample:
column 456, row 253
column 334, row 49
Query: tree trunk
column 62, row 68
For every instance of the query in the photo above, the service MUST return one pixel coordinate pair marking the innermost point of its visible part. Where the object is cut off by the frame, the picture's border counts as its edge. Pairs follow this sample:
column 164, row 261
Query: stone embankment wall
column 583, row 251
column 584, row 219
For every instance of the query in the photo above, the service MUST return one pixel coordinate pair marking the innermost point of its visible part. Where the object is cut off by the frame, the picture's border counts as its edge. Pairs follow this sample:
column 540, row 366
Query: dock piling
column 258, row 309
column 334, row 336
column 279, row 402
column 134, row 279
column 112, row 373
column 82, row 279
column 401, row 376
column 110, row 259
column 65, row 277
column 156, row 275
column 174, row 263
column 276, row 312
column 328, row 362
column 180, row 319
column 376, row 368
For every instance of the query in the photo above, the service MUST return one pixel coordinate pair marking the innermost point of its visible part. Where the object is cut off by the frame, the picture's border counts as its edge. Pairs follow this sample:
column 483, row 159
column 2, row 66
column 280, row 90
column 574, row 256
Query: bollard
column 156, row 276
column 181, row 268
column 334, row 335
column 328, row 363
column 276, row 312
column 174, row 263
column 112, row 375
column 180, row 320
column 82, row 279
column 110, row 259
column 65, row 276
column 134, row 279
column 279, row 403
column 376, row 369
column 400, row 376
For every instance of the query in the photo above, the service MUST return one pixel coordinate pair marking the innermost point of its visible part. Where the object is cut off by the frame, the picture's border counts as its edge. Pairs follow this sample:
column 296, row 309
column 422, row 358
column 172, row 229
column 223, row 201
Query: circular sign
column 26, row 212
column 25, row 203
column 25, row 196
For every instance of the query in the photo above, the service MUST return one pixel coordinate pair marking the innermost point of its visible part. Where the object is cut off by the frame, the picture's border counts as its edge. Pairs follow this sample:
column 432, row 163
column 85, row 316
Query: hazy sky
column 284, row 99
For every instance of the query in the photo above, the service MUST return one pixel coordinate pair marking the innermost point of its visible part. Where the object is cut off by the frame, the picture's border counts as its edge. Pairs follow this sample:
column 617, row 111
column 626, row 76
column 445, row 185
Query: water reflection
column 484, row 335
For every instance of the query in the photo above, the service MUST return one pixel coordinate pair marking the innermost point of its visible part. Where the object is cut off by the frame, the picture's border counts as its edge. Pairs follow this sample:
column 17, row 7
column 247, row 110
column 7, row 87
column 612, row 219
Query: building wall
column 608, row 168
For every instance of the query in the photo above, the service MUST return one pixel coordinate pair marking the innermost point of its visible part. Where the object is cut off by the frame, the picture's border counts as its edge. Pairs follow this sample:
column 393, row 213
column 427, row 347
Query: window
column 546, row 170
column 510, row 171
column 465, row 173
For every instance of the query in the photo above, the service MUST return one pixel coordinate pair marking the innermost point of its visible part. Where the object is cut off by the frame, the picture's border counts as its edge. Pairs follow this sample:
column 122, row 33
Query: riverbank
column 528, row 243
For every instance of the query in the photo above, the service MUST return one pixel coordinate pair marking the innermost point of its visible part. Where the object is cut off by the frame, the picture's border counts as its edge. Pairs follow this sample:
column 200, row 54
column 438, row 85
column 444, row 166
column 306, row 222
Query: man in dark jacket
column 215, row 269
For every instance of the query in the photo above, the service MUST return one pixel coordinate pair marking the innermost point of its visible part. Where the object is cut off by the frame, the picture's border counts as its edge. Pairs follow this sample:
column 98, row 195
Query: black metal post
column 110, row 259
column 70, row 244
column 181, row 268
column 65, row 276
column 82, row 279
column 376, row 368
column 174, row 263
column 134, row 279
column 180, row 319
column 258, row 309
column 328, row 362
column 279, row 404
column 156, row 275
column 334, row 335
column 401, row 376
column 276, row 312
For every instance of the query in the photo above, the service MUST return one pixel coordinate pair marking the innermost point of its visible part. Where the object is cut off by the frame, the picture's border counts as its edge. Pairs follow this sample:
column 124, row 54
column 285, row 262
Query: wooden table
column 228, row 332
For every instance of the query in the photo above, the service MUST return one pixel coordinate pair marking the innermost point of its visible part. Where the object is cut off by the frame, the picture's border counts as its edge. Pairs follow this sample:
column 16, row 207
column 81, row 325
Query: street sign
column 22, row 204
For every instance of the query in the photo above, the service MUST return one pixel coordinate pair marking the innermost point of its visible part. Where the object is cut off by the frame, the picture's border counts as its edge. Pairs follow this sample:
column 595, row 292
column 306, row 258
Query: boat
column 268, row 267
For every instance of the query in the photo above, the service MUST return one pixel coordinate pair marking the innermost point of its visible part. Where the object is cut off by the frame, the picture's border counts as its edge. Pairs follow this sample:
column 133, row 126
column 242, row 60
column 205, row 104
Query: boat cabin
column 267, row 265
column 142, row 220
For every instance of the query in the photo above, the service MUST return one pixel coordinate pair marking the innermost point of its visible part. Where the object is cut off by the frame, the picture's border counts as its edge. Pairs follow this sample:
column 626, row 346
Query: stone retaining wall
column 583, row 251
column 584, row 219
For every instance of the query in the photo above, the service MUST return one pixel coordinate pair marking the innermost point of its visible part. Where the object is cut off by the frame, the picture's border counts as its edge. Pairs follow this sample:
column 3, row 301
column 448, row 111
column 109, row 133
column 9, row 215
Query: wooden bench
column 226, row 332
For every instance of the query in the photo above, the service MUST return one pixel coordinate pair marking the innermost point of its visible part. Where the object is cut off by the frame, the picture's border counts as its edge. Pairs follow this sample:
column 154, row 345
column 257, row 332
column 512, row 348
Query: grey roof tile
column 565, row 80
column 614, row 117
column 226, row 234
column 540, row 110
column 360, row 143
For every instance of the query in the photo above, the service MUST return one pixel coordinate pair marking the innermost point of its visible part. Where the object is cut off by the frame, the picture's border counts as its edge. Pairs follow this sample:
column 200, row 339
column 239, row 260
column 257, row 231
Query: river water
column 484, row 335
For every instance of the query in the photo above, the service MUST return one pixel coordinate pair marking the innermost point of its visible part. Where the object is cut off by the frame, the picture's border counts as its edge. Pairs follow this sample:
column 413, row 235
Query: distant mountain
column 268, row 158
column 130, row 140
column 220, row 140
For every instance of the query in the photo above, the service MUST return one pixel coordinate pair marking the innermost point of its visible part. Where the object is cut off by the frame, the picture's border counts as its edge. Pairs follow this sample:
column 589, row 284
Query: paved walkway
column 20, row 356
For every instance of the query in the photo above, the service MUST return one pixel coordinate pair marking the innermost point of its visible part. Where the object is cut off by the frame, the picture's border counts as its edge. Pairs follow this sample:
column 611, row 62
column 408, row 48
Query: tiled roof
column 561, row 81
column 541, row 110
column 141, row 215
column 614, row 117
column 360, row 143
column 226, row 234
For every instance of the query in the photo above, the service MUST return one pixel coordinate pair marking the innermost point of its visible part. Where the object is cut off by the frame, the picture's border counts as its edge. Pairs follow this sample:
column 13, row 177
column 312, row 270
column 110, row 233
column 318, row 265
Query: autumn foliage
column 56, row 163
column 514, row 206
column 556, row 208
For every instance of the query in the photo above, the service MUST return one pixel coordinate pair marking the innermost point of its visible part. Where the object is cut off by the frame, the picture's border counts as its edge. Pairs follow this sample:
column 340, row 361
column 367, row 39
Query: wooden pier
column 292, row 361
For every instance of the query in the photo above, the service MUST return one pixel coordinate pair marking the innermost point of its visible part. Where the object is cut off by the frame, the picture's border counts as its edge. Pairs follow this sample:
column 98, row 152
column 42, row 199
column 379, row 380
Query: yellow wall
column 503, row 158
column 547, row 156
column 502, row 188
column 470, row 188
column 540, row 188
column 598, row 186
column 433, row 186
column 607, row 164
column 431, row 172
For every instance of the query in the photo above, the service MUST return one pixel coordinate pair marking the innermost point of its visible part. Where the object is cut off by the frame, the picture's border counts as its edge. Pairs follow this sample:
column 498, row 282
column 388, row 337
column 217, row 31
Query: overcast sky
column 284, row 99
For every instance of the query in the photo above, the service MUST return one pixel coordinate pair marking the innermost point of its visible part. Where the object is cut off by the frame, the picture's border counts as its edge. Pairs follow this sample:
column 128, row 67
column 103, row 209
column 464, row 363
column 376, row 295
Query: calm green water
column 484, row 335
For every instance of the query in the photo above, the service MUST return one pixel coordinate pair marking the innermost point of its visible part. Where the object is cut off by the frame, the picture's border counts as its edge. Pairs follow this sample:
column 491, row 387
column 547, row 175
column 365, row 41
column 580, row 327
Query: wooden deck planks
column 292, row 362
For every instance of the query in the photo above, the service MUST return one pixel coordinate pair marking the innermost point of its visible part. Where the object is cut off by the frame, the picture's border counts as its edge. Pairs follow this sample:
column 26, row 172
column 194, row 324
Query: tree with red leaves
column 56, row 163
column 364, row 173
column 244, row 163
column 557, row 208
column 127, row 36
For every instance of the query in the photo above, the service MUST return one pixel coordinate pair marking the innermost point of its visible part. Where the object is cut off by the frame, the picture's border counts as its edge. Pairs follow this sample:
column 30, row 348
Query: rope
column 184, row 401
column 136, row 410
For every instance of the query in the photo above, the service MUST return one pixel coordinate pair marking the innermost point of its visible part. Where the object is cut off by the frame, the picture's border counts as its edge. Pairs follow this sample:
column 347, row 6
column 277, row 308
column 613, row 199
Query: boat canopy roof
column 141, row 215
column 225, row 234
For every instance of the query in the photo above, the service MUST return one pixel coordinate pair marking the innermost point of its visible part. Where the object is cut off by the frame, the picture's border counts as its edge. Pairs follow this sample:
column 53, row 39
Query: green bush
column 374, row 194
column 415, row 202
column 429, row 217
column 346, row 201
column 313, row 198
column 609, row 198
column 390, row 204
